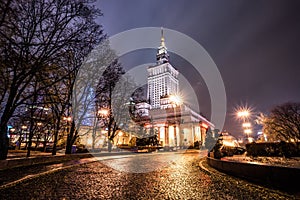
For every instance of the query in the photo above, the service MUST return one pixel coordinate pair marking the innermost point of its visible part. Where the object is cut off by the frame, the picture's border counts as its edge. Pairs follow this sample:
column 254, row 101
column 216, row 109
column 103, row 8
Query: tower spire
column 162, row 55
column 162, row 40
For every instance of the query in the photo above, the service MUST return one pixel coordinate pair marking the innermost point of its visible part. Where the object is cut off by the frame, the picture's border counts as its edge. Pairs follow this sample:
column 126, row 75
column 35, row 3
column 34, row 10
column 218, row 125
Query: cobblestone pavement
column 8, row 176
column 176, row 177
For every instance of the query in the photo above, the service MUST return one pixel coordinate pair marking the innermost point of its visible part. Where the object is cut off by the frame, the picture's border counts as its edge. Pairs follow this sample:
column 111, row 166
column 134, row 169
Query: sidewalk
column 17, row 158
column 12, row 176
column 18, row 167
column 24, row 171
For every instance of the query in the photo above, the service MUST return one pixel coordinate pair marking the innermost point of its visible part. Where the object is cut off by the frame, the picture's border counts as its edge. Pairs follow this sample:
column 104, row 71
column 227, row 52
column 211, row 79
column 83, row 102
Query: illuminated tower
column 162, row 77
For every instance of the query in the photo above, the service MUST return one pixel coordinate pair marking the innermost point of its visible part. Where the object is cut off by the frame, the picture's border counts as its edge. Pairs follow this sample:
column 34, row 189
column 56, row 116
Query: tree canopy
column 283, row 122
column 42, row 44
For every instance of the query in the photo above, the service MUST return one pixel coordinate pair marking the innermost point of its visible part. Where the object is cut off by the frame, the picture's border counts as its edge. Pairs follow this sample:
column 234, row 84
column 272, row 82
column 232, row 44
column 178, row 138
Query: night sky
column 255, row 45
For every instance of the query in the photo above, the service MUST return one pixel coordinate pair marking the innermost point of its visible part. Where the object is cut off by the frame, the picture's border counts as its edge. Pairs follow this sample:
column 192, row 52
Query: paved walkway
column 12, row 176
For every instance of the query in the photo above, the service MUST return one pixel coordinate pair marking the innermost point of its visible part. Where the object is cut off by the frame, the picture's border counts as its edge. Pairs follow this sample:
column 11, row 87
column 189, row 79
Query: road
column 143, row 176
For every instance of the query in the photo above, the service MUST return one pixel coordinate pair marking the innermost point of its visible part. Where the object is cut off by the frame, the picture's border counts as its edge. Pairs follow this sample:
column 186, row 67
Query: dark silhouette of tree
column 34, row 38
column 91, row 88
column 283, row 122
column 115, row 92
column 106, row 87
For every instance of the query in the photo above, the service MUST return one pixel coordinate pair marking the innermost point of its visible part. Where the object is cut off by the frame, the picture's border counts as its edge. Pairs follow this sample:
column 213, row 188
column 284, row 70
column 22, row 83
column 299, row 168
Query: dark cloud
column 255, row 44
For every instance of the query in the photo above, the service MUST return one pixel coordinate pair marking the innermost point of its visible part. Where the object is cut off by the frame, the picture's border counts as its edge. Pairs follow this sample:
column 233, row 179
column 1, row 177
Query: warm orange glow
column 24, row 127
column 176, row 100
column 250, row 139
column 229, row 143
column 39, row 123
column 120, row 133
column 243, row 113
column 12, row 129
column 246, row 125
column 161, row 125
column 148, row 125
column 247, row 131
column 67, row 119
column 204, row 125
column 103, row 112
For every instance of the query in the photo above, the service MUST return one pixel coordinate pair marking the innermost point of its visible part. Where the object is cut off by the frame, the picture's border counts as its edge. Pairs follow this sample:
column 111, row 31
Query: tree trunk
column 30, row 136
column 45, row 141
column 109, row 146
column 29, row 146
column 71, row 138
column 4, row 142
column 55, row 139
column 69, row 145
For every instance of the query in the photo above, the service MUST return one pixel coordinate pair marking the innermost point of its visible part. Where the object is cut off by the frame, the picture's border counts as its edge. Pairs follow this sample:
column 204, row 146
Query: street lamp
column 24, row 127
column 176, row 100
column 104, row 113
column 244, row 114
column 248, row 131
column 68, row 119
column 246, row 125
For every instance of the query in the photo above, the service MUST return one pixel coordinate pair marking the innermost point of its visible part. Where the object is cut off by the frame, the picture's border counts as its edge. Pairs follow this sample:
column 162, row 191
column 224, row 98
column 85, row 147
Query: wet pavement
column 144, row 176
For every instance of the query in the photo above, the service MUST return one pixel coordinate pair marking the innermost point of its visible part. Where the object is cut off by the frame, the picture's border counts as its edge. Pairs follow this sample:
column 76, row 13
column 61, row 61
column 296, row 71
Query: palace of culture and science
column 176, row 124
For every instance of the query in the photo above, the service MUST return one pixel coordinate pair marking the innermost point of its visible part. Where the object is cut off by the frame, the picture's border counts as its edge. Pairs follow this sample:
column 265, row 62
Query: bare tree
column 85, row 93
column 114, row 93
column 105, row 91
column 34, row 37
column 283, row 122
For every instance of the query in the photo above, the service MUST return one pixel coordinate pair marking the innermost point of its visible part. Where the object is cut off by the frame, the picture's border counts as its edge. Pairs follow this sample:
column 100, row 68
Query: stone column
column 166, row 136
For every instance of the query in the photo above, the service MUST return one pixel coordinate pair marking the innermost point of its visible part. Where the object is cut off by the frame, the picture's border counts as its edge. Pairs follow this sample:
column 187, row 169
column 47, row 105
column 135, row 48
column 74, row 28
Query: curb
column 276, row 176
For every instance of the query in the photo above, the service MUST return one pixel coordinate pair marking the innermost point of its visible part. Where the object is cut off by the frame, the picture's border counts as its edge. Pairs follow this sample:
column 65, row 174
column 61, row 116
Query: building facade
column 175, row 123
column 162, row 77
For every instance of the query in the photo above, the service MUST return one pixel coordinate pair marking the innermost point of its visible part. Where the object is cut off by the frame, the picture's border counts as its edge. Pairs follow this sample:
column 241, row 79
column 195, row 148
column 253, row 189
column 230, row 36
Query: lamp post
column 244, row 114
column 104, row 113
column 247, row 132
column 68, row 119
